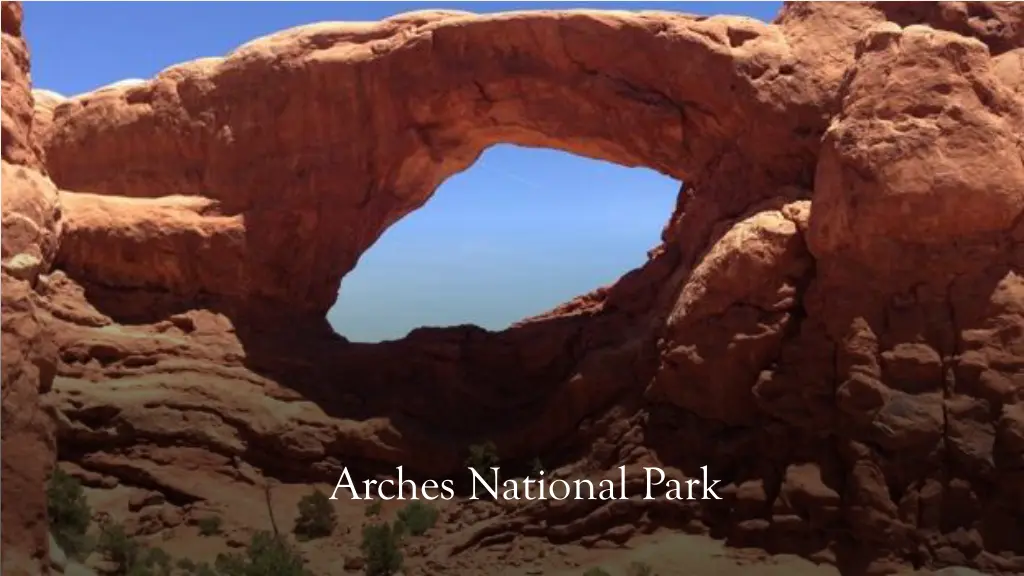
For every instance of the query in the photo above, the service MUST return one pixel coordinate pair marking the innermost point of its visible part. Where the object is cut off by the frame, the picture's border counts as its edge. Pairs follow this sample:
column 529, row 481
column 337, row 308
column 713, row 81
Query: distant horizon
column 515, row 235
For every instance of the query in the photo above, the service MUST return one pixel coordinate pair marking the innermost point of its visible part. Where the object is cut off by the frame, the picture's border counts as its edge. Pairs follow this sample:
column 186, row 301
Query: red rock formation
column 31, row 227
column 45, row 102
column 834, row 324
column 464, row 83
column 17, row 104
column 29, row 451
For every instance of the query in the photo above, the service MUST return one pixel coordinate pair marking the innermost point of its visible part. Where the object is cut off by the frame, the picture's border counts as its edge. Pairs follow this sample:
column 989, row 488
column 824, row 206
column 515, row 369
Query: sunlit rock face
column 31, row 231
column 834, row 322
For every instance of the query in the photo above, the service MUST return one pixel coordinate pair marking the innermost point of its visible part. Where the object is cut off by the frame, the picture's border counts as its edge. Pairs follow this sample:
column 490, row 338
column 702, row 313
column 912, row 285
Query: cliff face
column 31, row 228
column 834, row 322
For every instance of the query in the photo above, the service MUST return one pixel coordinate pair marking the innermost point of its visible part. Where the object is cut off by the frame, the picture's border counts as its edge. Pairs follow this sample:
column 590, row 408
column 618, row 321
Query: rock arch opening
column 285, row 192
column 515, row 235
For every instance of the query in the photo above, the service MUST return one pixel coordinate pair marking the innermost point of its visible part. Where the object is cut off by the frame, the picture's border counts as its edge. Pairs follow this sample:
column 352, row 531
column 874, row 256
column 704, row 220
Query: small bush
column 483, row 457
column 69, row 514
column 155, row 562
column 596, row 572
column 190, row 568
column 380, row 547
column 210, row 525
column 267, row 555
column 398, row 529
column 373, row 509
column 120, row 549
column 204, row 569
column 418, row 517
column 639, row 569
column 129, row 556
column 317, row 518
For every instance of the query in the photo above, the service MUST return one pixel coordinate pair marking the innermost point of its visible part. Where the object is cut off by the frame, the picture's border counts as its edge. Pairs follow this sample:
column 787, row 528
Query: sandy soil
column 674, row 554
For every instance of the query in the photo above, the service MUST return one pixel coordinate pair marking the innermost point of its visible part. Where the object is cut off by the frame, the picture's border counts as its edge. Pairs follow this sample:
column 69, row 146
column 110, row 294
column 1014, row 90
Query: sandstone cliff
column 31, row 228
column 834, row 322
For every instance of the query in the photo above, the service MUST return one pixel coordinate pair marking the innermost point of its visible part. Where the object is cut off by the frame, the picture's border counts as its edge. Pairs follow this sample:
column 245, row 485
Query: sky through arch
column 519, row 232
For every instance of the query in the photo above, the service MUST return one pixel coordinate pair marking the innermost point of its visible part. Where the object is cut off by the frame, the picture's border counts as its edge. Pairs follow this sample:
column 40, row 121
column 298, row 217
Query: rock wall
column 31, row 228
column 834, row 322
column 18, row 104
column 423, row 95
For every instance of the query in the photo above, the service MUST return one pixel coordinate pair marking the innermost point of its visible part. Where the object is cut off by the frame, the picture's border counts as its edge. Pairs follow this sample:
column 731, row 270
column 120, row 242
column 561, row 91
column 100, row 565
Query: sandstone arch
column 862, row 395
column 355, row 125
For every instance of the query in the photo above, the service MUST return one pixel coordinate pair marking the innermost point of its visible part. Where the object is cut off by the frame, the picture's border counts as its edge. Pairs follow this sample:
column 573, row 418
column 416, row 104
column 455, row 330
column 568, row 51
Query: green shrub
column 380, row 547
column 155, row 562
column 190, row 568
column 483, row 457
column 69, row 514
column 596, row 572
column 120, row 549
column 267, row 555
column 204, row 569
column 129, row 556
column 210, row 525
column 639, row 569
column 373, row 509
column 317, row 518
column 398, row 529
column 418, row 517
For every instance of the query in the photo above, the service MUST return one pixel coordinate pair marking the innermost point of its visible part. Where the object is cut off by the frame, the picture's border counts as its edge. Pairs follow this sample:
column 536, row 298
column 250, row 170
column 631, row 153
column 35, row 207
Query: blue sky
column 519, row 232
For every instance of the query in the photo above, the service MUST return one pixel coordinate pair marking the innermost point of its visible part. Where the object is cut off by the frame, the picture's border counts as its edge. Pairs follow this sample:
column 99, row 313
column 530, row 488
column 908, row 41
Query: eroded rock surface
column 834, row 323
column 17, row 104
column 31, row 230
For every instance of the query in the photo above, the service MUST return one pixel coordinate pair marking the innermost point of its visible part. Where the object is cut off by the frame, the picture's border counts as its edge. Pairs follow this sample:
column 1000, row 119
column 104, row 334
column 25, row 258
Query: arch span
column 302, row 147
